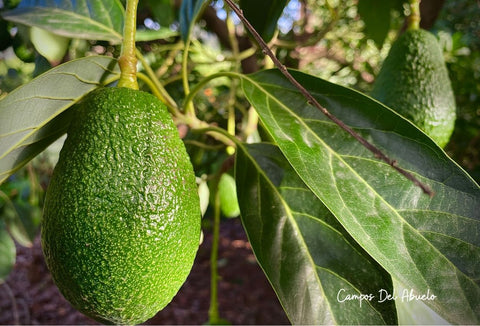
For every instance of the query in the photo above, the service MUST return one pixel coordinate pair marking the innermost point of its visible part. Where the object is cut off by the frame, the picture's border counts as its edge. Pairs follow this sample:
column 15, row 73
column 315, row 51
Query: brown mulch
column 29, row 296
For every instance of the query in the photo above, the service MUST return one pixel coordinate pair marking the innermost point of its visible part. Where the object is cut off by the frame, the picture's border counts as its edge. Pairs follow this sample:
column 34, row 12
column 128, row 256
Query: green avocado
column 414, row 82
column 227, row 191
column 121, row 224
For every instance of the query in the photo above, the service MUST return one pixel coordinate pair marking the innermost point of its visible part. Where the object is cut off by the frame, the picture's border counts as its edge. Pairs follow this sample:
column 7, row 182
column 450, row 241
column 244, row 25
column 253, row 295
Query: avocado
column 227, row 191
column 22, row 46
column 121, row 223
column 414, row 82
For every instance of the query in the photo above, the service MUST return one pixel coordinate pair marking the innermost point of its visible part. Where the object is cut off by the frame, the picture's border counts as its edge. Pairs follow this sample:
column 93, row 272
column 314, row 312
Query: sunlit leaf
column 84, row 19
column 430, row 245
column 312, row 263
column 49, row 45
column 34, row 115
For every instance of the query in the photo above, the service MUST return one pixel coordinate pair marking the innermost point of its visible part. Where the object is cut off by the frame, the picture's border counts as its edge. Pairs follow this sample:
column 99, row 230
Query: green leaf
column 189, row 12
column 21, row 218
column 23, row 222
column 162, row 10
column 151, row 35
column 34, row 115
column 7, row 253
column 49, row 45
column 377, row 16
column 83, row 19
column 427, row 244
column 310, row 260
column 263, row 15
column 415, row 312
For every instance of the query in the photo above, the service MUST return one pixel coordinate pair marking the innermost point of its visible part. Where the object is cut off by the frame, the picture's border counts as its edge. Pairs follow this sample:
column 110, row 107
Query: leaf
column 377, row 21
column 22, row 222
column 7, row 253
column 189, row 12
column 415, row 312
column 151, row 35
column 21, row 217
column 83, row 19
column 310, row 260
column 427, row 244
column 263, row 15
column 49, row 45
column 162, row 10
column 34, row 115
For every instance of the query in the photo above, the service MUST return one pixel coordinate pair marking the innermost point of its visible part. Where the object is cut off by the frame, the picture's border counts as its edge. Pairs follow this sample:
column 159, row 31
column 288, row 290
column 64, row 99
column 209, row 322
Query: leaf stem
column 414, row 18
column 233, row 86
column 213, row 315
column 164, row 96
column 128, row 60
column 189, row 109
column 312, row 101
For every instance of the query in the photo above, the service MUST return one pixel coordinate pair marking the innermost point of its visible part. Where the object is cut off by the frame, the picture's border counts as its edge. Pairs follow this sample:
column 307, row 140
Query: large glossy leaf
column 430, row 245
column 7, row 253
column 84, row 19
column 263, row 15
column 312, row 263
column 34, row 115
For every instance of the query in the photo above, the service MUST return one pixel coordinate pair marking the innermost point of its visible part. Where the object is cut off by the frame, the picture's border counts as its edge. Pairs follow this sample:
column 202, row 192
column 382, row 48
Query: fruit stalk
column 213, row 315
column 128, row 58
column 414, row 18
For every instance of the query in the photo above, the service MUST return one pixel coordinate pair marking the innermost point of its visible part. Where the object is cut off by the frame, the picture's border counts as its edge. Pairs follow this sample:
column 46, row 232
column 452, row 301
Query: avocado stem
column 213, row 315
column 414, row 18
column 128, row 58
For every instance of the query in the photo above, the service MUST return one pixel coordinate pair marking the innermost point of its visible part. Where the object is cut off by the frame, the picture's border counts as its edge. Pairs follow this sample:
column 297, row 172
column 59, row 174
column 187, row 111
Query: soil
column 29, row 297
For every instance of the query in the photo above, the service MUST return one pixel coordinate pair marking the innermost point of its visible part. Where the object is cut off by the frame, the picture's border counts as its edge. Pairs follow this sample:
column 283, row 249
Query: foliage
column 459, row 34
column 331, row 224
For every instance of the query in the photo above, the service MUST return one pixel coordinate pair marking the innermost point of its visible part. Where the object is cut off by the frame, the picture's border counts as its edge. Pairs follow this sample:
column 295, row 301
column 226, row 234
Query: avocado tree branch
column 312, row 101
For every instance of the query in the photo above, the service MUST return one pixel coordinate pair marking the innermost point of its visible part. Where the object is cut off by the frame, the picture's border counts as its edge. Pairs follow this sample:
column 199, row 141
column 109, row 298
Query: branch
column 128, row 59
column 312, row 101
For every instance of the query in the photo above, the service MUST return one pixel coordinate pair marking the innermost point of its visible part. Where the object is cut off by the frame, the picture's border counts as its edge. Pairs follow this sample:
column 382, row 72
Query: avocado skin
column 121, row 222
column 414, row 82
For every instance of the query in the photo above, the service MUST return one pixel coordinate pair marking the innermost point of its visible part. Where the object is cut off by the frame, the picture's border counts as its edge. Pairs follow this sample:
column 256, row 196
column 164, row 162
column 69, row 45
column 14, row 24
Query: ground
column 245, row 296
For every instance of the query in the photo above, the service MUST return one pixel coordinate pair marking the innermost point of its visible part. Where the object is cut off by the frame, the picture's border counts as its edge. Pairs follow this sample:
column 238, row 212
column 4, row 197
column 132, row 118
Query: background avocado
column 414, row 82
column 121, row 222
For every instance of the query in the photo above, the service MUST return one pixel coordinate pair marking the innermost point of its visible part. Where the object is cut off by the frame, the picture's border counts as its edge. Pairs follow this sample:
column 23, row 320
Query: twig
column 311, row 100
